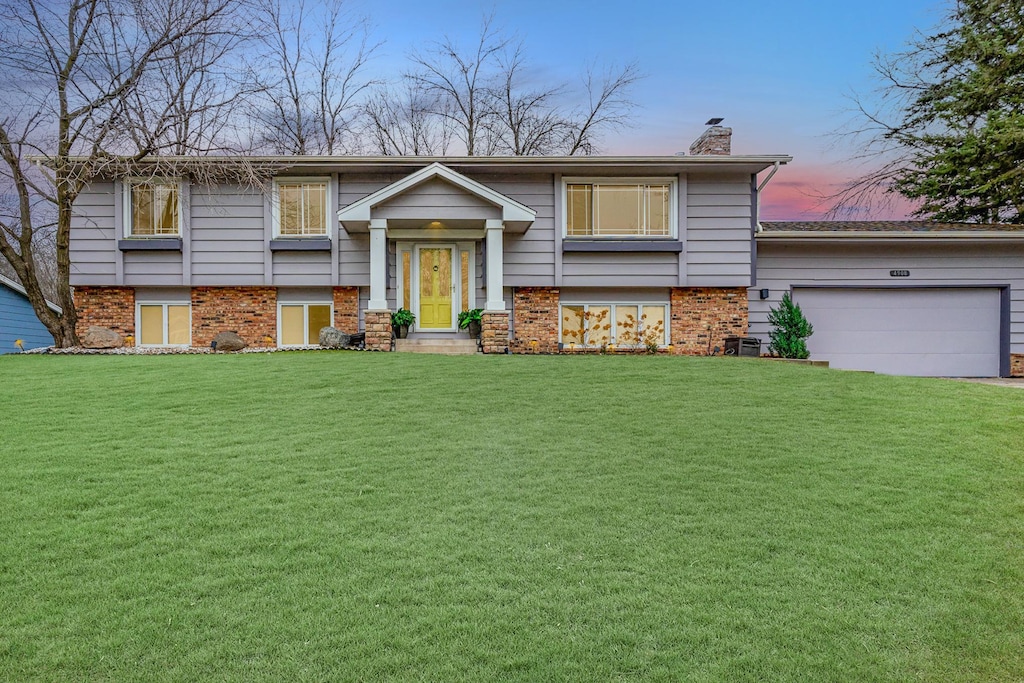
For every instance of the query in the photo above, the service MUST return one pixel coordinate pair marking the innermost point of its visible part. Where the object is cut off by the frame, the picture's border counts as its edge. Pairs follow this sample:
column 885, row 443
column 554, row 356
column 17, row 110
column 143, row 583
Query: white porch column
column 495, row 268
column 378, row 265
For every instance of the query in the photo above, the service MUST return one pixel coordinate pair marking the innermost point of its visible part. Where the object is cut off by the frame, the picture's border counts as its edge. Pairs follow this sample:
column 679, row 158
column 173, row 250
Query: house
column 561, row 253
column 18, row 320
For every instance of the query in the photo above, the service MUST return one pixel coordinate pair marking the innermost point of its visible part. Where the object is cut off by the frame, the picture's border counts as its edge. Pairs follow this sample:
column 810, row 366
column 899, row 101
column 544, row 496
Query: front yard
column 336, row 516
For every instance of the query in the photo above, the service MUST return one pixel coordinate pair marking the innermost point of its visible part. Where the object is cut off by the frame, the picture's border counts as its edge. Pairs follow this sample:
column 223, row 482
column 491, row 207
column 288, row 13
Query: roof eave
column 879, row 236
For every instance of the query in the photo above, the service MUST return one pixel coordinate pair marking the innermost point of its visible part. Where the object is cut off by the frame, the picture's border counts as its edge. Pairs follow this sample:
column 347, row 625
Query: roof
column 495, row 164
column 11, row 284
column 513, row 213
column 884, row 226
column 887, row 231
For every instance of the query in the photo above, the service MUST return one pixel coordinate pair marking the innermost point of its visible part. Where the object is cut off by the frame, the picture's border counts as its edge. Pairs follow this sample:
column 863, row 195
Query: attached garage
column 933, row 332
column 898, row 297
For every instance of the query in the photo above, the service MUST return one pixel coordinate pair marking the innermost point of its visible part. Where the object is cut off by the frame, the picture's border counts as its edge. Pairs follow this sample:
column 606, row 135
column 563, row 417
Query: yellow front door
column 435, row 288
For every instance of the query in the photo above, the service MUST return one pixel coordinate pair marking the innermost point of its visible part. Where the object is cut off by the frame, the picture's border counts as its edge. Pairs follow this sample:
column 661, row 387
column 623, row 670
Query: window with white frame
column 300, row 324
column 620, row 208
column 626, row 325
column 153, row 208
column 300, row 207
column 167, row 324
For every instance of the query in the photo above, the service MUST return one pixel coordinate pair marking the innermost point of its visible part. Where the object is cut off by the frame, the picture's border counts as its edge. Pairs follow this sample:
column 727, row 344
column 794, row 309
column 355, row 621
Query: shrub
column 789, row 330
column 402, row 316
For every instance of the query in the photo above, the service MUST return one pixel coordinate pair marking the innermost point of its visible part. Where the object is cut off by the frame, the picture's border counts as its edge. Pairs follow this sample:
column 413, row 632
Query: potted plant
column 471, row 321
column 400, row 322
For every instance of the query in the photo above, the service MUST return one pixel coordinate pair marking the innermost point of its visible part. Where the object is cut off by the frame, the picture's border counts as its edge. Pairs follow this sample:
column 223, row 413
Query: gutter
column 757, row 208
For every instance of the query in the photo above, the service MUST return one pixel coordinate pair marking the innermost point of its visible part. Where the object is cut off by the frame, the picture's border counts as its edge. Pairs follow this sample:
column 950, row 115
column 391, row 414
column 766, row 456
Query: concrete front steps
column 444, row 347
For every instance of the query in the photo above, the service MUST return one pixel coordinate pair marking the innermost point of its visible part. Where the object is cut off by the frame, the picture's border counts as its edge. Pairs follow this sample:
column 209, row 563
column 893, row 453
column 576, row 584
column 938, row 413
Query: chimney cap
column 714, row 121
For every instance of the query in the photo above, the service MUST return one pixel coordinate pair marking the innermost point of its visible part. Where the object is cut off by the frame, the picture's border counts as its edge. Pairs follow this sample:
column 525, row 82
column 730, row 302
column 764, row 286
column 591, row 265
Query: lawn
column 357, row 516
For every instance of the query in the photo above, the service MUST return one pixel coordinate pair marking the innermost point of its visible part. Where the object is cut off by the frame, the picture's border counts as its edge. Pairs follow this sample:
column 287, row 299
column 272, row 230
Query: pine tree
column 950, row 133
column 789, row 330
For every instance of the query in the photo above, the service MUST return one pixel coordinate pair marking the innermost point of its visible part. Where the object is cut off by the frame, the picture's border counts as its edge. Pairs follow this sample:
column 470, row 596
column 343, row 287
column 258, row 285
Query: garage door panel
column 927, row 332
column 890, row 341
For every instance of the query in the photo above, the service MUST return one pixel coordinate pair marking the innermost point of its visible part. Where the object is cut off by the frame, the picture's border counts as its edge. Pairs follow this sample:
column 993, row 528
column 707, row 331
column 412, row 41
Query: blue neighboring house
column 18, row 320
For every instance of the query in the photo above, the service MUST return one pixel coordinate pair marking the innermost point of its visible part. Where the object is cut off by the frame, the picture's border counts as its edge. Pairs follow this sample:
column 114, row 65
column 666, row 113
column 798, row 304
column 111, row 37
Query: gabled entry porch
column 436, row 248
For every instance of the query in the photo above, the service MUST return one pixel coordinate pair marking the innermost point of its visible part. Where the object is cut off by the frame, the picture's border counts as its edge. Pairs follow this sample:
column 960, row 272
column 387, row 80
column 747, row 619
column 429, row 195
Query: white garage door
column 950, row 332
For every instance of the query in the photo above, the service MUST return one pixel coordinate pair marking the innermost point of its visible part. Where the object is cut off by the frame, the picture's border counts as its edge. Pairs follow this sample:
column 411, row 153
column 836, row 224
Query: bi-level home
column 561, row 253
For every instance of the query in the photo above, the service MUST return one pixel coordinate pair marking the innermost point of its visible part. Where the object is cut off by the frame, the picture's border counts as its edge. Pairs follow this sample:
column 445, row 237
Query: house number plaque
column 899, row 273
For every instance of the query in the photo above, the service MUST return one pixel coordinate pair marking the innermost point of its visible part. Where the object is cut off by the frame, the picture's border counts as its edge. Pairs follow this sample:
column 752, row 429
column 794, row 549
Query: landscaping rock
column 101, row 338
column 228, row 341
column 332, row 338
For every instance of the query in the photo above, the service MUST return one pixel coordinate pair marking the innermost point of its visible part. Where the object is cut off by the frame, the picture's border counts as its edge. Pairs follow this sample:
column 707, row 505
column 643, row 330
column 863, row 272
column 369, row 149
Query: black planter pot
column 474, row 329
column 402, row 331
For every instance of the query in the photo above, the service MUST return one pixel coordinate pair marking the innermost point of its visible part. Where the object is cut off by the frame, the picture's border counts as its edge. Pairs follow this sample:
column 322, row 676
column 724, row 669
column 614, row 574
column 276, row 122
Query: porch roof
column 516, row 217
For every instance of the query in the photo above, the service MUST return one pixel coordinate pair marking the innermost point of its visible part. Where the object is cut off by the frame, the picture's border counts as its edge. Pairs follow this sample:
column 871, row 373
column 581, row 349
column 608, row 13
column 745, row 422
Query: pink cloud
column 802, row 193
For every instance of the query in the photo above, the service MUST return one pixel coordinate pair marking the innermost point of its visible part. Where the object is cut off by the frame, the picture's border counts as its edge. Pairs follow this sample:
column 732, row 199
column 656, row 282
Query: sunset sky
column 781, row 73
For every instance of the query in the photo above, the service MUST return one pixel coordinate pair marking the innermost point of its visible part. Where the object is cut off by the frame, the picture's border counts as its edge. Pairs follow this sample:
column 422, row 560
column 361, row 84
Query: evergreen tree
column 968, row 159
column 951, row 131
column 789, row 330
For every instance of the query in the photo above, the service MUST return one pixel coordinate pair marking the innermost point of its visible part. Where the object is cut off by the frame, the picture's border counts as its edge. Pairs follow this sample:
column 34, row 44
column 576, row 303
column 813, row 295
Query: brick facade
column 702, row 317
column 251, row 312
column 378, row 330
column 1017, row 365
column 494, row 332
column 346, row 309
column 112, row 307
column 535, row 320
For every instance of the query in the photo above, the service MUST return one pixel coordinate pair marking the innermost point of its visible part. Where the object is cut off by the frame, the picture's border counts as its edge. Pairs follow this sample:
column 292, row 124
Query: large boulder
column 101, row 338
column 332, row 338
column 228, row 341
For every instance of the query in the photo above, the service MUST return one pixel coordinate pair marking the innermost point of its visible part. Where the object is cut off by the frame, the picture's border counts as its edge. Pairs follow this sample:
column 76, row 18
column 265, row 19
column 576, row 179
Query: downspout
column 757, row 208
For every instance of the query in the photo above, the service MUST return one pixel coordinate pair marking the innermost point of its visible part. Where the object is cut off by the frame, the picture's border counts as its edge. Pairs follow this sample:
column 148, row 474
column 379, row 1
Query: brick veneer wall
column 112, row 307
column 251, row 312
column 703, row 317
column 535, row 320
column 378, row 330
column 346, row 309
column 494, row 332
column 1017, row 365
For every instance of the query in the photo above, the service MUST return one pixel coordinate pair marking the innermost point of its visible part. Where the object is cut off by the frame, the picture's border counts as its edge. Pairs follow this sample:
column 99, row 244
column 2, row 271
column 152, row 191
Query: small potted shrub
column 472, row 322
column 401, row 320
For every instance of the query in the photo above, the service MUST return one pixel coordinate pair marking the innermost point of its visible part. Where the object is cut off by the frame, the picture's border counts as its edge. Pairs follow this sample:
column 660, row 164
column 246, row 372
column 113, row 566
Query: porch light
column 764, row 293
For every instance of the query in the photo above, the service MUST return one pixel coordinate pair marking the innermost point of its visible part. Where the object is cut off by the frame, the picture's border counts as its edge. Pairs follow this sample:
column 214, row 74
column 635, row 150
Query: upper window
column 154, row 208
column 301, row 207
column 619, row 208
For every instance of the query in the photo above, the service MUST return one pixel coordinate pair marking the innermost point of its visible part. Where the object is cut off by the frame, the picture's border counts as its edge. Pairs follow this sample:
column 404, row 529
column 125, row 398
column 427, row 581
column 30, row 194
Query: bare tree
column 524, row 121
column 313, row 85
column 83, row 79
column 485, row 96
column 608, row 107
column 402, row 123
column 460, row 83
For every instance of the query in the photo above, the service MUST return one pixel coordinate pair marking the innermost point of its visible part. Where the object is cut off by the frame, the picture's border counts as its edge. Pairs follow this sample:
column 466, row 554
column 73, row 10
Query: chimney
column 715, row 140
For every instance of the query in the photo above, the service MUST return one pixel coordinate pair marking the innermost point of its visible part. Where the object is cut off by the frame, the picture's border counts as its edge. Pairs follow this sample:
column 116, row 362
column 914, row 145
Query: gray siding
column 718, row 231
column 436, row 200
column 227, row 232
column 780, row 267
column 94, row 236
column 529, row 258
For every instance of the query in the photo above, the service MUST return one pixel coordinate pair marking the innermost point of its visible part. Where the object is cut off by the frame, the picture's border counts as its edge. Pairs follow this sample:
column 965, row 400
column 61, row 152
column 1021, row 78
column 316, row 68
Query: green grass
column 346, row 516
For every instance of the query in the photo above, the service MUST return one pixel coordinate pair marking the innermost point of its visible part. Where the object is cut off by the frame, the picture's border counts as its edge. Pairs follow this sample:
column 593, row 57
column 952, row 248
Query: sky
column 780, row 72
